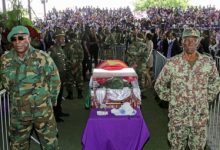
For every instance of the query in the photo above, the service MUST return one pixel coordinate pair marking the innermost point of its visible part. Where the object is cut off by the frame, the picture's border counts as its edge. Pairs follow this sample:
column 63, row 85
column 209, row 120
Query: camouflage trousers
column 140, row 70
column 180, row 136
column 74, row 80
column 45, row 126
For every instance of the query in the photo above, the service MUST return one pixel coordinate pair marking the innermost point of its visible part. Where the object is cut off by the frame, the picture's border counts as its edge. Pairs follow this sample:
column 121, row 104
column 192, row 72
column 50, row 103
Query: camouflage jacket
column 110, row 40
column 188, row 89
column 33, row 83
column 74, row 54
column 58, row 56
column 137, row 53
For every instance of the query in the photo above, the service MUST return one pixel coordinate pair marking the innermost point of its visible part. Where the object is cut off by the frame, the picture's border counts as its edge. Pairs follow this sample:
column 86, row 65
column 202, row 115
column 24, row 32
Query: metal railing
column 5, row 119
column 213, row 140
column 159, row 60
column 217, row 60
column 119, row 52
column 116, row 51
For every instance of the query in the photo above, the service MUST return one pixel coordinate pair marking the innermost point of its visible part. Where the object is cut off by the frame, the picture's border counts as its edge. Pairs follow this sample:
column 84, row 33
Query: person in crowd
column 32, row 80
column 48, row 38
column 205, row 42
column 188, row 81
column 149, row 60
column 128, row 35
column 108, row 45
column 173, row 46
column 165, row 43
column 109, row 40
column 87, row 62
column 101, row 36
column 93, row 45
column 58, row 56
column 137, row 56
column 38, row 42
column 156, row 36
column 74, row 54
column 213, row 49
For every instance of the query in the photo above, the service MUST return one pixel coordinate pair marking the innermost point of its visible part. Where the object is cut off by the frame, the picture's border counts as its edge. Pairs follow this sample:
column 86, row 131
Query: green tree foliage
column 144, row 4
column 16, row 16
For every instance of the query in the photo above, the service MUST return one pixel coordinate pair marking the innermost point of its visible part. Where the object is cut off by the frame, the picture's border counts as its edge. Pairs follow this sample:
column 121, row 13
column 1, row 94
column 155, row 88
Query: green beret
column 190, row 32
column 59, row 33
column 16, row 30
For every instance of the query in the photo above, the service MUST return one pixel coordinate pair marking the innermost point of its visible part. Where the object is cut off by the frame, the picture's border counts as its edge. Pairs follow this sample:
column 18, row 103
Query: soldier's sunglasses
column 19, row 38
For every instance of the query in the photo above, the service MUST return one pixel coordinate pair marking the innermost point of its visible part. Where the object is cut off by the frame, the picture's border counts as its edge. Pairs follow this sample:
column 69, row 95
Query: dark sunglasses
column 19, row 38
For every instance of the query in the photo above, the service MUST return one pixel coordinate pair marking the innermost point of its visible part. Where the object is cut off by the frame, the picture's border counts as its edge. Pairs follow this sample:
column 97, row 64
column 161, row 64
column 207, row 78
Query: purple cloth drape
column 115, row 132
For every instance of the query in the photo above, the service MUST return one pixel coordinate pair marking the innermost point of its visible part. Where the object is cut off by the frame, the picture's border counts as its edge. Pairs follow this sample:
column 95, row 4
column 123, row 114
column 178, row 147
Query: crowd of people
column 166, row 24
column 73, row 38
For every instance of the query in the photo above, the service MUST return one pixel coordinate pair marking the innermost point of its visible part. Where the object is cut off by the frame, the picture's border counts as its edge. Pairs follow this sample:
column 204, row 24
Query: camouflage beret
column 190, row 32
column 17, row 30
column 59, row 33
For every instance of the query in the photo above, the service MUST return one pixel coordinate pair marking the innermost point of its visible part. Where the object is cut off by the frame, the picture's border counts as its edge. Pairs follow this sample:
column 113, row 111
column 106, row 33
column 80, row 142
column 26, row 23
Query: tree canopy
column 144, row 4
column 16, row 16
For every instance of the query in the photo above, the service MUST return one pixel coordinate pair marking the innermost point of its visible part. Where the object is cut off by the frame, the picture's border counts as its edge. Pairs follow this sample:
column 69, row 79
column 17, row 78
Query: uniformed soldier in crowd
column 188, row 81
column 74, row 55
column 109, row 40
column 57, row 54
column 149, row 61
column 137, row 56
column 93, row 45
column 48, row 38
column 87, row 62
column 32, row 80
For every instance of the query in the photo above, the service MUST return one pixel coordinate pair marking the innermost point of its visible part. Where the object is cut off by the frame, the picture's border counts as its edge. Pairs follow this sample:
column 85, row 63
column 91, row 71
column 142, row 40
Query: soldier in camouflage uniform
column 137, row 56
column 58, row 56
column 74, row 54
column 188, row 81
column 32, row 79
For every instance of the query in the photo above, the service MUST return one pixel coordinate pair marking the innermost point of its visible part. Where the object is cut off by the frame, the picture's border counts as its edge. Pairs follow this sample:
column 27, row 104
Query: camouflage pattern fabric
column 110, row 40
column 45, row 127
column 118, row 37
column 137, row 55
column 58, row 56
column 188, row 89
column 74, row 54
column 190, row 32
column 33, row 84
